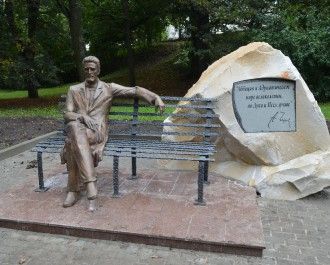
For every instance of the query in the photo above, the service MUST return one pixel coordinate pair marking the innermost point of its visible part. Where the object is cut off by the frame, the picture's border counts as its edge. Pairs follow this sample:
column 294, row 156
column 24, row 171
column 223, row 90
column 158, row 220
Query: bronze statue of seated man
column 85, row 115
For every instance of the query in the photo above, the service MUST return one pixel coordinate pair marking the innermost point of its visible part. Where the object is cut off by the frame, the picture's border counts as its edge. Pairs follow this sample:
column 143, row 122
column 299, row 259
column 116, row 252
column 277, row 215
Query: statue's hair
column 92, row 59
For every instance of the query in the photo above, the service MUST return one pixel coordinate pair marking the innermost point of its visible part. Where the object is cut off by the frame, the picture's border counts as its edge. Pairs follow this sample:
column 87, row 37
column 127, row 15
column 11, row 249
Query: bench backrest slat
column 188, row 115
column 164, row 124
column 166, row 105
column 197, row 116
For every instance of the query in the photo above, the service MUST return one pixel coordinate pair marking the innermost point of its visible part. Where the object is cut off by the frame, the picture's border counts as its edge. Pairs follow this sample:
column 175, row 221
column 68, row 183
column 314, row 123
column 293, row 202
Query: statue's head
column 92, row 68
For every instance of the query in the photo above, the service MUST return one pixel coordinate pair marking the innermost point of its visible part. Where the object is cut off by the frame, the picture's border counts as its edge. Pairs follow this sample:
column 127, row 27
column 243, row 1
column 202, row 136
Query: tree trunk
column 200, row 31
column 148, row 36
column 29, row 50
column 180, row 33
column 128, row 43
column 9, row 11
column 78, row 44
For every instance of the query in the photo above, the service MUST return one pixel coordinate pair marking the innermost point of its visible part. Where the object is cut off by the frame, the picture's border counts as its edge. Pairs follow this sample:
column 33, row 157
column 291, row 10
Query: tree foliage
column 211, row 25
column 34, row 45
column 43, row 41
column 105, row 27
column 301, row 29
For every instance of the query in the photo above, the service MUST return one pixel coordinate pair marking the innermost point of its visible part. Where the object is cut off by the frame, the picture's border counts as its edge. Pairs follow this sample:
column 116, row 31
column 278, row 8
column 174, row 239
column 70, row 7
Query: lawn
column 43, row 92
column 50, row 111
column 325, row 107
column 45, row 107
column 55, row 112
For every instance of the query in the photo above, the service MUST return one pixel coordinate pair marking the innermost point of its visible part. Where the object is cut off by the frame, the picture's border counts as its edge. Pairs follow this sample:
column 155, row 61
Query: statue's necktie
column 91, row 93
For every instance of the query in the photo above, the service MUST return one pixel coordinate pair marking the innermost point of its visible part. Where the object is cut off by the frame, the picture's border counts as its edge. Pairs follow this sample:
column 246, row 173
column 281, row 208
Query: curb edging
column 24, row 146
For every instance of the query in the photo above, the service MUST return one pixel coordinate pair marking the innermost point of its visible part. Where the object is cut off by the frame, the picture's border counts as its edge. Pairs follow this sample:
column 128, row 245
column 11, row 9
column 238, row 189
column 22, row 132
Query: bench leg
column 206, row 172
column 115, row 179
column 41, row 187
column 201, row 168
column 133, row 176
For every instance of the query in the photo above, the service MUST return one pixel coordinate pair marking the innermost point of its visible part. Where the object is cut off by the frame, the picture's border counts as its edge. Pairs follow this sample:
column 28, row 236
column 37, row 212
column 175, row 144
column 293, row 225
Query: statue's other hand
column 89, row 122
column 97, row 157
column 159, row 104
column 99, row 136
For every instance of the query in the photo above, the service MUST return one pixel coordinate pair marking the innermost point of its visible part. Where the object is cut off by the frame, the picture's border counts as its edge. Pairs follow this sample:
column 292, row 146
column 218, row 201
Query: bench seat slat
column 174, row 156
column 60, row 140
column 152, row 151
column 145, row 148
column 166, row 133
column 139, row 144
column 162, row 124
column 167, row 157
column 169, row 147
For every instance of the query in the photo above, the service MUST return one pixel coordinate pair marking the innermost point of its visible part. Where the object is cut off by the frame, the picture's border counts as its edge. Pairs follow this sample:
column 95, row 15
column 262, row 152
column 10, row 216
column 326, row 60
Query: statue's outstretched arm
column 140, row 92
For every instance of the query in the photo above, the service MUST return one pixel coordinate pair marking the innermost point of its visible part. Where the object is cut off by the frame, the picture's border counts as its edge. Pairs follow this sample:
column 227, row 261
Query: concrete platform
column 156, row 209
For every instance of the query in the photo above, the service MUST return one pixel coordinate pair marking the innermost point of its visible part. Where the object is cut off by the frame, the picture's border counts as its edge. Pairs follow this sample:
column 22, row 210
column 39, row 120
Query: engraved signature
column 279, row 116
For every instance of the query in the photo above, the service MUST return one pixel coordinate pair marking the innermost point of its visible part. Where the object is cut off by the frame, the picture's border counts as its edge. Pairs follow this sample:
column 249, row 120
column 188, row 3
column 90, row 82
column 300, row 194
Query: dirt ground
column 16, row 130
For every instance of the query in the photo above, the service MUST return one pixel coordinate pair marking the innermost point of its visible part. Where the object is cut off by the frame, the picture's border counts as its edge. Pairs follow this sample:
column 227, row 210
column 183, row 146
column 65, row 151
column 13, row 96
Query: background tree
column 106, row 28
column 35, row 46
column 25, row 42
column 301, row 30
column 128, row 42
column 72, row 9
column 43, row 41
column 215, row 28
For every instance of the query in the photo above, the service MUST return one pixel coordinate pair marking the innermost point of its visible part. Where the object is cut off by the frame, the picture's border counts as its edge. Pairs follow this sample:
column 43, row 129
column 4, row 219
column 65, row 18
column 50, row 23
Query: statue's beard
column 91, row 79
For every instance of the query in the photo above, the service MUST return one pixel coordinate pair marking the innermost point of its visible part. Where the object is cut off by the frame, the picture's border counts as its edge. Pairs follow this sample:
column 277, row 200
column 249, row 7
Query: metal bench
column 136, row 131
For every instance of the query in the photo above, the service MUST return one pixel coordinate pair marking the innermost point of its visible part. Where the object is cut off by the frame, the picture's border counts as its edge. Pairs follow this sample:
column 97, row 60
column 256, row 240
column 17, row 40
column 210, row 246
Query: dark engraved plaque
column 265, row 105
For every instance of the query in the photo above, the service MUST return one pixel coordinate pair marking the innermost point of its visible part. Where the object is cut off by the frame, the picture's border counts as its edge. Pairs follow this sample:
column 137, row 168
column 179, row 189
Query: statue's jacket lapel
column 79, row 98
column 100, row 98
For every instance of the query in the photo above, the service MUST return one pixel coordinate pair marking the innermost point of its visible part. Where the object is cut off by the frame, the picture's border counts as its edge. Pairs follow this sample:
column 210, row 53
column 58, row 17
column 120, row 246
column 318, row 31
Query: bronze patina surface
column 86, row 109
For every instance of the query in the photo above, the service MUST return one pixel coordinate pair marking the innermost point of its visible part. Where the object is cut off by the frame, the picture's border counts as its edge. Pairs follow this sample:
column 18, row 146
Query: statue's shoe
column 71, row 199
column 91, row 190
column 92, row 205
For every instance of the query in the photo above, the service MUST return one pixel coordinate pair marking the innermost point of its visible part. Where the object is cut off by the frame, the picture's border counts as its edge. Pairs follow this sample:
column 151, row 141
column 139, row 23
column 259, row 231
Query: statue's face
column 91, row 72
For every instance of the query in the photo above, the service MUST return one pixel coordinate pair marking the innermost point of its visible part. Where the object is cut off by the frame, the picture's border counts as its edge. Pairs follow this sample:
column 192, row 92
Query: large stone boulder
column 282, row 165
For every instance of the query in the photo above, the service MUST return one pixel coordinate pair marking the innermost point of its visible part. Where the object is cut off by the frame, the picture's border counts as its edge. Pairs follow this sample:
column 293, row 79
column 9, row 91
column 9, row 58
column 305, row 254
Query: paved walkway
column 295, row 233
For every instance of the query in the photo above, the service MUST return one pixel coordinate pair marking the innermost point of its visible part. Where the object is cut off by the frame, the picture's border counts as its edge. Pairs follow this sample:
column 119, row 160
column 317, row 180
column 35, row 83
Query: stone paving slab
column 155, row 209
column 310, row 215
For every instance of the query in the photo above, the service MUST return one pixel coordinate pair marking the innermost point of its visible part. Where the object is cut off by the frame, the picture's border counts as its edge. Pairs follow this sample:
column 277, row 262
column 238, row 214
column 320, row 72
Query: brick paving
column 295, row 233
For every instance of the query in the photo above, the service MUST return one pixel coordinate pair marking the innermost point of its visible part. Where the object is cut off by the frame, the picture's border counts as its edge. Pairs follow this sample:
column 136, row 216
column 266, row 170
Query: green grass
column 54, row 112
column 43, row 92
column 51, row 111
column 141, row 116
column 325, row 107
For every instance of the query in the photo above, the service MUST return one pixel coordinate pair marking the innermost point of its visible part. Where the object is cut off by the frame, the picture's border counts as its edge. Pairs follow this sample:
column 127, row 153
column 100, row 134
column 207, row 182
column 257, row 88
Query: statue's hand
column 99, row 136
column 97, row 157
column 159, row 104
column 89, row 122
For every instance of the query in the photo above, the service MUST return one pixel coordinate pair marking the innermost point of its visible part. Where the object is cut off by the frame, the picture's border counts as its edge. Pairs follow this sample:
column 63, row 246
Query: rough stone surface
column 156, row 208
column 295, row 233
column 281, row 165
